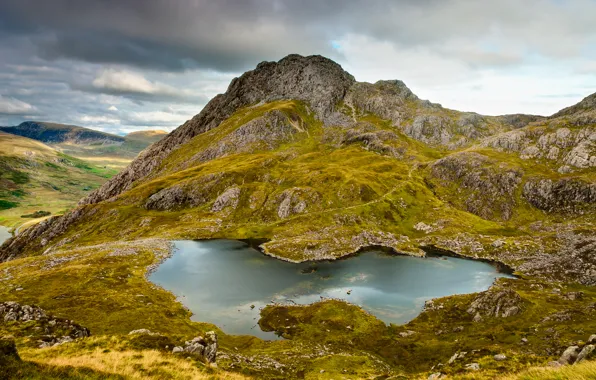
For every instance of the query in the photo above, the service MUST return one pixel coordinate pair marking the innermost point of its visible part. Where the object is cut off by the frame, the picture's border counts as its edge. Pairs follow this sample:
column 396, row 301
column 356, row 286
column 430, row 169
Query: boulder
column 569, row 355
column 584, row 353
column 205, row 348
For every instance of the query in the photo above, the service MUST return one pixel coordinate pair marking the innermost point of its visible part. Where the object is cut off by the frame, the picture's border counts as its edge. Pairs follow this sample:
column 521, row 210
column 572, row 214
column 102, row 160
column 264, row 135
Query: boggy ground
column 104, row 288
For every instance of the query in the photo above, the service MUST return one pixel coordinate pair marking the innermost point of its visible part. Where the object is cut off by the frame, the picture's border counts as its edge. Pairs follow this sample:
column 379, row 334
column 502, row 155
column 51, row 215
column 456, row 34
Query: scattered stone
column 421, row 226
column 14, row 312
column 473, row 367
column 143, row 332
column 573, row 296
column 500, row 357
column 498, row 243
column 592, row 339
column 458, row 329
column 457, row 355
column 435, row 376
column 177, row 349
column 407, row 333
column 524, row 340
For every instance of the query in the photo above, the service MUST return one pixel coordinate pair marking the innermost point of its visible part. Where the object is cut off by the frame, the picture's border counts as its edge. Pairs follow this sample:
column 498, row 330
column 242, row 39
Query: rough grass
column 35, row 177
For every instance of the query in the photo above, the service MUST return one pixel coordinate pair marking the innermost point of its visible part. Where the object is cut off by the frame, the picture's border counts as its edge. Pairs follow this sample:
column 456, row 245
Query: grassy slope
column 358, row 189
column 104, row 288
column 35, row 177
column 350, row 188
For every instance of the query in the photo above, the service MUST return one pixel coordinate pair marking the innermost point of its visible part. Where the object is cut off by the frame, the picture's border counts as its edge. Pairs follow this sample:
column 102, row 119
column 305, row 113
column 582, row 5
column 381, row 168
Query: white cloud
column 12, row 106
column 121, row 81
column 113, row 108
column 154, row 118
column 98, row 120
column 459, row 84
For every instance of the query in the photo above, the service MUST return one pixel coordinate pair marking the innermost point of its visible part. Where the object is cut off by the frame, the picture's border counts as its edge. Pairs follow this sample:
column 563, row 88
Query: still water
column 219, row 280
column 4, row 234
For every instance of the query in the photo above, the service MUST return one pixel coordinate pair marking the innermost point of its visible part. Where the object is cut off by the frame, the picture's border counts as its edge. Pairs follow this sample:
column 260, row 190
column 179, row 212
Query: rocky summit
column 309, row 164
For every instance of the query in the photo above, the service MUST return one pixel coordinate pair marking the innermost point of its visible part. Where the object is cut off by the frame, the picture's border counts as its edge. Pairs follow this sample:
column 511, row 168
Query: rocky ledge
column 56, row 330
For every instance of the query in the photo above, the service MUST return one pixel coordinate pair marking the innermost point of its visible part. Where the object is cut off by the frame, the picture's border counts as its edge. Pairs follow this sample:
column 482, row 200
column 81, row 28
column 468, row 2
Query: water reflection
column 220, row 281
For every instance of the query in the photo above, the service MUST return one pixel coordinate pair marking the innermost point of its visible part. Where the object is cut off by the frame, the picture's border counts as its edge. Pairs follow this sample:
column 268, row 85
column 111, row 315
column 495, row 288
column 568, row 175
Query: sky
column 126, row 65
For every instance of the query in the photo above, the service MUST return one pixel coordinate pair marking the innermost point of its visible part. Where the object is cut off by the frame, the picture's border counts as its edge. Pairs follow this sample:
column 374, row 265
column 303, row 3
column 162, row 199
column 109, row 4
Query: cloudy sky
column 123, row 65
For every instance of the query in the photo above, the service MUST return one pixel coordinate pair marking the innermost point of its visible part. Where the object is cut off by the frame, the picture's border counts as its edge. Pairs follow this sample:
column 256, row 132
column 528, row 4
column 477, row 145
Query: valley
column 313, row 168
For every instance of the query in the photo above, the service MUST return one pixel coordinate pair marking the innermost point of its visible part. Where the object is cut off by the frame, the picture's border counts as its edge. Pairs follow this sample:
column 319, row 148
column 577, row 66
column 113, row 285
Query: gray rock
column 473, row 367
column 500, row 357
column 592, row 339
column 435, row 376
column 205, row 348
column 177, row 349
column 142, row 332
column 569, row 355
column 496, row 302
column 228, row 198
column 585, row 353
column 565, row 195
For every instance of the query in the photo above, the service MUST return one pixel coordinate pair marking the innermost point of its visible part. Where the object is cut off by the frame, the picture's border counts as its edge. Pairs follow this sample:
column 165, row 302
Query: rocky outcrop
column 496, row 302
column 199, row 191
column 229, row 198
column 295, row 201
column 575, row 147
column 565, row 195
column 316, row 80
column 205, row 348
column 41, row 233
column 263, row 133
column 572, row 260
column 53, row 328
column 387, row 98
column 483, row 180
column 380, row 141
column 519, row 120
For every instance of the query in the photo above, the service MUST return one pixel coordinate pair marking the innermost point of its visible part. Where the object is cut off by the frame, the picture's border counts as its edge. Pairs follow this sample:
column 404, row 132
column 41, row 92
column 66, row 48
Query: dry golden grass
column 582, row 371
column 146, row 364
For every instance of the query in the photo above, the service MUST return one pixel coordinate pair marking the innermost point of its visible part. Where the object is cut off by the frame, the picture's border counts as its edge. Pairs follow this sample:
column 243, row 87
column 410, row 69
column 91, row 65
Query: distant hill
column 102, row 148
column 147, row 136
column 53, row 133
column 35, row 177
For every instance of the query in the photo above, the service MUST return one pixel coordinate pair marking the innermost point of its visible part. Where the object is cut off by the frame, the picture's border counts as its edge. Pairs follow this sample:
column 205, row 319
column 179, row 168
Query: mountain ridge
column 409, row 157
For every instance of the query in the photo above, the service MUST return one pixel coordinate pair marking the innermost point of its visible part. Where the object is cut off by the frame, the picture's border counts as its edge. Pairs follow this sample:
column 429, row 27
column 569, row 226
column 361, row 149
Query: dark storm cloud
column 233, row 36
column 73, row 60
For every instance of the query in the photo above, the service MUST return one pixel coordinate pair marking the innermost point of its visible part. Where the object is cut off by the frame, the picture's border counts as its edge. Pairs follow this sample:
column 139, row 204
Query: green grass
column 33, row 176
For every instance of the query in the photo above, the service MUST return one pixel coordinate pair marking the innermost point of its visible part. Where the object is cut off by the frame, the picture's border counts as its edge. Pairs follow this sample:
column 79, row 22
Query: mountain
column 150, row 136
column 102, row 148
column 53, row 133
column 299, row 153
column 36, row 180
column 299, row 157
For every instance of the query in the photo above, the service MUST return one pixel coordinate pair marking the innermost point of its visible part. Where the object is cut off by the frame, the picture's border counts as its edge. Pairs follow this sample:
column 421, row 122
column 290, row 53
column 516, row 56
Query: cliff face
column 299, row 153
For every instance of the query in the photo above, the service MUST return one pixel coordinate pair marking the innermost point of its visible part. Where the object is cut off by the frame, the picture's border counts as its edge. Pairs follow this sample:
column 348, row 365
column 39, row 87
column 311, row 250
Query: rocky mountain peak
column 318, row 81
